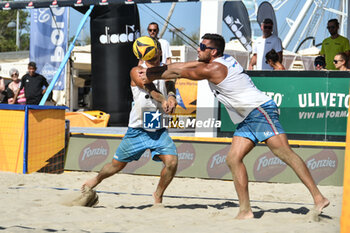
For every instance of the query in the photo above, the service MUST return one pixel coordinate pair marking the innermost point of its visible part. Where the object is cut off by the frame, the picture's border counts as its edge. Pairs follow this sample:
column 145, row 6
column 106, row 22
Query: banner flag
column 48, row 41
column 236, row 17
column 266, row 10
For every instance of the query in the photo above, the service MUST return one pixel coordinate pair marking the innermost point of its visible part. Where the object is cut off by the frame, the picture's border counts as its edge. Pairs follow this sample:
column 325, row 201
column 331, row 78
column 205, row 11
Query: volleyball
column 145, row 48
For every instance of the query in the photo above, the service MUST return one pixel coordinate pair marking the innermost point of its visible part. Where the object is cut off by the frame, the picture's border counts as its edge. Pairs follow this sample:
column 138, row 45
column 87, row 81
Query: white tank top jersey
column 142, row 101
column 237, row 92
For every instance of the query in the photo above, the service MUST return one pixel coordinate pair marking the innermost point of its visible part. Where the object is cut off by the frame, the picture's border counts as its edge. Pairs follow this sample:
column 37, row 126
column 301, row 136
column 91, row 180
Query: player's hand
column 143, row 76
column 172, row 104
column 165, row 106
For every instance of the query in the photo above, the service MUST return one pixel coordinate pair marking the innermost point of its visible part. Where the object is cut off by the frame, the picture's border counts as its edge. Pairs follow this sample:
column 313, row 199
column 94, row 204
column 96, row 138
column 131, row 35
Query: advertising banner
column 265, row 11
column 48, row 41
column 235, row 16
column 208, row 160
column 308, row 105
column 113, row 29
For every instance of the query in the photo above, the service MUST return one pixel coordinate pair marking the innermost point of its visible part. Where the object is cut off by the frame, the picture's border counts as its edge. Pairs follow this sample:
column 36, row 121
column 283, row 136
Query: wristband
column 172, row 94
column 156, row 70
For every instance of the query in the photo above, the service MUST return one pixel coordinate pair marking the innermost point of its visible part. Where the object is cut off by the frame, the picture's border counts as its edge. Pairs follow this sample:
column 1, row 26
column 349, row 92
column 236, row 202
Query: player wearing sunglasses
column 255, row 113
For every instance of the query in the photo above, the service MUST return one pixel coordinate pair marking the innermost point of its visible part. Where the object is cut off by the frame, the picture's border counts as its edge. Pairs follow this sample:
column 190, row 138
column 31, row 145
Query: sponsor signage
column 267, row 166
column 216, row 165
column 48, row 41
column 322, row 165
column 235, row 16
column 109, row 37
column 308, row 105
column 208, row 160
column 186, row 156
column 93, row 154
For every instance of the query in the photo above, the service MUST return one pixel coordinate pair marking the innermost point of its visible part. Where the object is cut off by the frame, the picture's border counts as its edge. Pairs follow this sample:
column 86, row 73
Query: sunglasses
column 12, row 75
column 203, row 47
column 319, row 64
column 152, row 30
column 330, row 27
column 336, row 61
column 267, row 27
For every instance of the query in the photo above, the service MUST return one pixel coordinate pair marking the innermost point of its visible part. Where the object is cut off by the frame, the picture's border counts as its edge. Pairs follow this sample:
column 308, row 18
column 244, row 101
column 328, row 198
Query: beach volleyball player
column 155, row 96
column 256, row 114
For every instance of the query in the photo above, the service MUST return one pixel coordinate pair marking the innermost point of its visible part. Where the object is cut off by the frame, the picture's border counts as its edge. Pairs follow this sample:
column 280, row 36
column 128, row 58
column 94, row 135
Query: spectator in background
column 272, row 59
column 263, row 45
column 12, row 88
column 34, row 85
column 2, row 84
column 334, row 44
column 2, row 87
column 320, row 63
column 153, row 30
column 340, row 61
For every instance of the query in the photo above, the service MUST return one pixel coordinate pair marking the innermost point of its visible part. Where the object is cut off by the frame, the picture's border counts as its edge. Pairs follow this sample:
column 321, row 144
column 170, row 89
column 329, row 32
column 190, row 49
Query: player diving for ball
column 255, row 113
column 158, row 95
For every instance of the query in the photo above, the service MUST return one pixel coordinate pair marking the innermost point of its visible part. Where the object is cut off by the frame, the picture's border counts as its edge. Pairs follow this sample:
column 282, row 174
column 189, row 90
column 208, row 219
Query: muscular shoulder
column 217, row 71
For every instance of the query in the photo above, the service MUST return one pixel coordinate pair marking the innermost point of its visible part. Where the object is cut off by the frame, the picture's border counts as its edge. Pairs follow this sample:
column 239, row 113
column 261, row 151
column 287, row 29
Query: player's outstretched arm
column 214, row 72
column 189, row 70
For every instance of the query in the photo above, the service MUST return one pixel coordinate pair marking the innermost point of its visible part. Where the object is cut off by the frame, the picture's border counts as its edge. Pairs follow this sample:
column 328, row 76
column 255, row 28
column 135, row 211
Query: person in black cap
column 34, row 85
column 263, row 45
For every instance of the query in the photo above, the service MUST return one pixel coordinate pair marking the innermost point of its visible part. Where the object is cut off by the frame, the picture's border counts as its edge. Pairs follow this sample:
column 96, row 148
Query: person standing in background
column 33, row 84
column 2, row 83
column 153, row 30
column 334, row 44
column 12, row 88
column 263, row 45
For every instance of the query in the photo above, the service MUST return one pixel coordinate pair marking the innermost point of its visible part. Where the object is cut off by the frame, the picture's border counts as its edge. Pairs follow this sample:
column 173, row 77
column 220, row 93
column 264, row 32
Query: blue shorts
column 261, row 123
column 137, row 140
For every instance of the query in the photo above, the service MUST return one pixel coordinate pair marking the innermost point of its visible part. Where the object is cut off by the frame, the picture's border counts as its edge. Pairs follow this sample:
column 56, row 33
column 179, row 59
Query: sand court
column 34, row 203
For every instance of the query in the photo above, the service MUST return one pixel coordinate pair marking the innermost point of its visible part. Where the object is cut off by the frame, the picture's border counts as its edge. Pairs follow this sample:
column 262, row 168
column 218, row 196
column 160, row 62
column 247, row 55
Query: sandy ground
column 33, row 203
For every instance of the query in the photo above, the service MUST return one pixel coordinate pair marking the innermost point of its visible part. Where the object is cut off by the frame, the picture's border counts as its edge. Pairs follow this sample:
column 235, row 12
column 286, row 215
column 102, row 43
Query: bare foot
column 91, row 183
column 157, row 199
column 320, row 205
column 245, row 215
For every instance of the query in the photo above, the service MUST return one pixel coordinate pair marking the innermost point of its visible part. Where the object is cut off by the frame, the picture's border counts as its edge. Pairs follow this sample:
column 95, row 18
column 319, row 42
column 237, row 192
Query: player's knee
column 232, row 160
column 117, row 164
column 171, row 163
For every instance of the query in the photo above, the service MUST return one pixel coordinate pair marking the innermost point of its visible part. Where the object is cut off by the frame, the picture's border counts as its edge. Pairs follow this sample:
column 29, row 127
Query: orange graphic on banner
column 188, row 94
